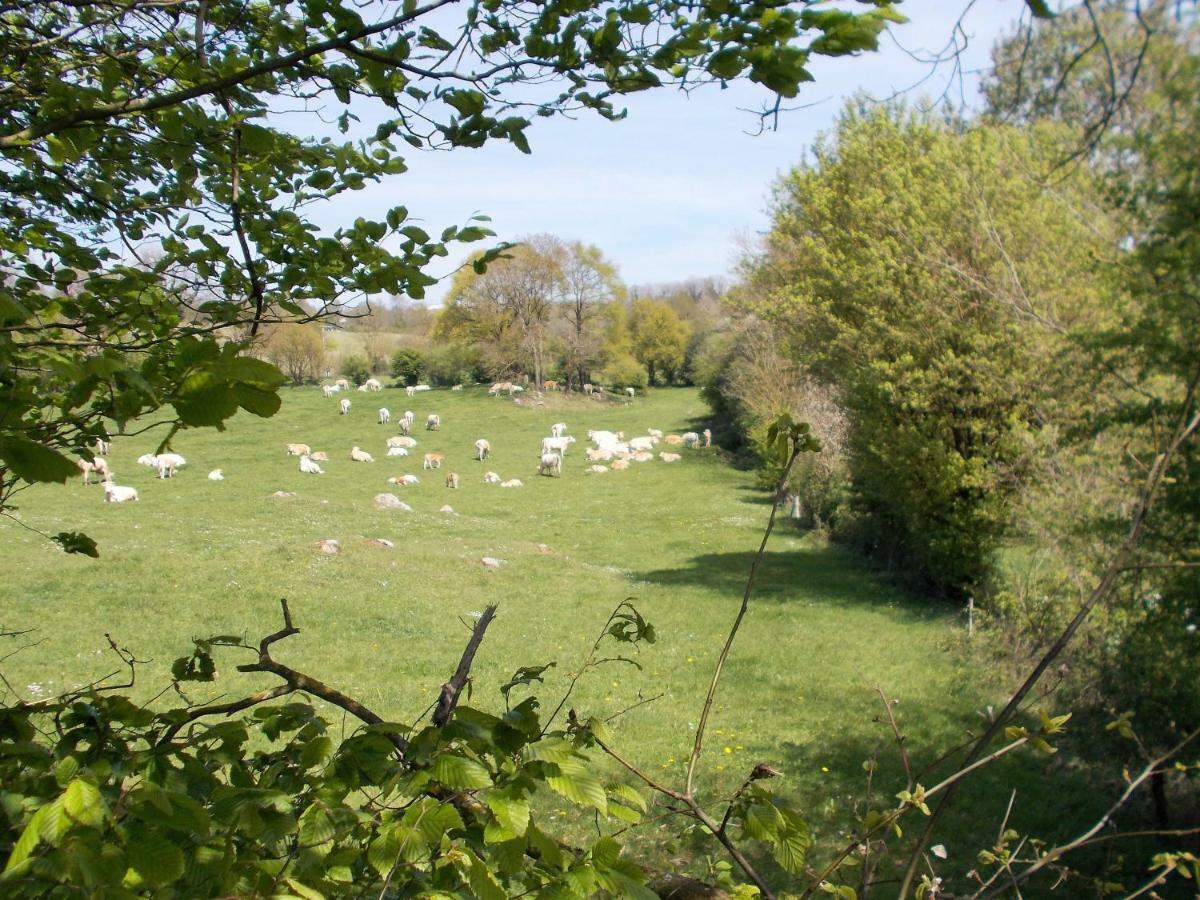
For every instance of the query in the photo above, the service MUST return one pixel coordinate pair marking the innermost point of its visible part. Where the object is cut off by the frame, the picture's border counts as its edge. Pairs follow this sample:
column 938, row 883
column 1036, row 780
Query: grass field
column 196, row 557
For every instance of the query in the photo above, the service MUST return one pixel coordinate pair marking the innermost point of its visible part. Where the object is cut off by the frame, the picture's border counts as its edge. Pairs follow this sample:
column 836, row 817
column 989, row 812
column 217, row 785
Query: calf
column 551, row 465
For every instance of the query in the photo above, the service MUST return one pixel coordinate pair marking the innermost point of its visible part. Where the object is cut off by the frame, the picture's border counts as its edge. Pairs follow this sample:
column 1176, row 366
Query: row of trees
column 991, row 322
column 551, row 309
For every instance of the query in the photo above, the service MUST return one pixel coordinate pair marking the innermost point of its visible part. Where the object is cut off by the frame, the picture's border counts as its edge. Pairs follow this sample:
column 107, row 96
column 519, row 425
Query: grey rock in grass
column 391, row 501
column 329, row 547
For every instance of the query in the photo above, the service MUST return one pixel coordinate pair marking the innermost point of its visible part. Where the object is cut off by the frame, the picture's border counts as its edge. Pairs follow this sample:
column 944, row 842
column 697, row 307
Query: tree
column 589, row 281
column 1130, row 95
column 144, row 174
column 298, row 351
column 938, row 302
column 659, row 338
column 508, row 307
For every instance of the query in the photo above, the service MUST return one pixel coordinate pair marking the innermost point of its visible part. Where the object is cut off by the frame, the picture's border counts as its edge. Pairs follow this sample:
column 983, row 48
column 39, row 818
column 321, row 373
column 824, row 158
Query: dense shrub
column 914, row 265
column 451, row 364
column 356, row 368
column 623, row 371
column 408, row 366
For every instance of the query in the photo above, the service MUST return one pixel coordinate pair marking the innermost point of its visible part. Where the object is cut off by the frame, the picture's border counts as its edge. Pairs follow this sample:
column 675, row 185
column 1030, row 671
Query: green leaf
column 510, row 808
column 460, row 773
column 483, row 883
column 35, row 462
column 250, row 370
column 155, row 859
column 259, row 402
column 316, row 826
column 83, row 802
column 11, row 311
column 320, row 179
column 65, row 770
column 575, row 781
column 29, row 838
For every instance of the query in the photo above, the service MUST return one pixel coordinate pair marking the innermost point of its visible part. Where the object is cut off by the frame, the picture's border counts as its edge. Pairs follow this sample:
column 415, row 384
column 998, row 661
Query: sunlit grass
column 196, row 557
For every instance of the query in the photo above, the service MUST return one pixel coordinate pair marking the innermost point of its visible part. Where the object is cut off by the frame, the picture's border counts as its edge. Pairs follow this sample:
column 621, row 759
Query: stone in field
column 391, row 501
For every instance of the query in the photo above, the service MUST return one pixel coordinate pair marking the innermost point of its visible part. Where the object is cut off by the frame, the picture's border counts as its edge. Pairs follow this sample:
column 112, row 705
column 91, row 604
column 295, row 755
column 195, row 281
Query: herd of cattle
column 610, row 451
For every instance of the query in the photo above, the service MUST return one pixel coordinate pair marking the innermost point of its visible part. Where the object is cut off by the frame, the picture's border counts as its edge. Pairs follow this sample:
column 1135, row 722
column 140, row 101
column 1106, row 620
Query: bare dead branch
column 452, row 688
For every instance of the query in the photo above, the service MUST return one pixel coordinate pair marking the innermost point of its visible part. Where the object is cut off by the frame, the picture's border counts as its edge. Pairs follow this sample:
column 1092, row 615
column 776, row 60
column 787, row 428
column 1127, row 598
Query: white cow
column 630, row 392
column 512, row 483
column 397, row 451
column 308, row 467
column 115, row 493
column 642, row 443
column 410, row 389
column 558, row 429
column 216, row 475
column 401, row 441
column 372, row 384
column 691, row 439
column 557, row 444
column 330, row 389
column 457, row 387
column 483, row 449
column 358, row 455
column 491, row 478
column 167, row 463
column 385, row 415
column 404, row 480
column 433, row 422
column 345, row 405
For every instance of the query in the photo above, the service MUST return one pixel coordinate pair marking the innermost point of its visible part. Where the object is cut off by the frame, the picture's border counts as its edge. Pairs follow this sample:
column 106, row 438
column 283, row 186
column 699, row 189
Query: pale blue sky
column 670, row 191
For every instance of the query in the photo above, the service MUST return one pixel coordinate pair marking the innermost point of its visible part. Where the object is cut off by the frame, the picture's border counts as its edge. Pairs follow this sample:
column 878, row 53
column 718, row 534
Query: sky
column 677, row 188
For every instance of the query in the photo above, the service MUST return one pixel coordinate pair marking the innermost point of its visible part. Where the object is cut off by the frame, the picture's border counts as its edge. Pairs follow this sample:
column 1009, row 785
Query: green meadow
column 196, row 557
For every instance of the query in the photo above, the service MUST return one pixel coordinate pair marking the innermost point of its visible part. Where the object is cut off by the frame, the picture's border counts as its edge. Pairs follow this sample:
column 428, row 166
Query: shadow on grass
column 825, row 782
column 833, row 576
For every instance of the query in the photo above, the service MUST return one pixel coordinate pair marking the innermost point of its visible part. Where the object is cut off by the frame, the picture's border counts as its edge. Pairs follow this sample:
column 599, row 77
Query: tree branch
column 452, row 688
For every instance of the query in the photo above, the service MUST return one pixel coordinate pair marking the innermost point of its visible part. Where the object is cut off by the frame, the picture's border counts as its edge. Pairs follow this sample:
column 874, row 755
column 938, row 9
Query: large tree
column 659, row 338
column 918, row 267
column 589, row 281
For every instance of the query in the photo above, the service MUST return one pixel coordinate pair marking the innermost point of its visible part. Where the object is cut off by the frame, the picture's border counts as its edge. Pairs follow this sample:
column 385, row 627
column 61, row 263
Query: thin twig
column 1184, row 429
column 737, row 624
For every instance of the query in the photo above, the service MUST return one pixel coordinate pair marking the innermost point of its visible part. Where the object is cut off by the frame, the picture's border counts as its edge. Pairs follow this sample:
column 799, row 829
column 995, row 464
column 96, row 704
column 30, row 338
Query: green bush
column 453, row 364
column 356, row 368
column 408, row 366
column 623, row 371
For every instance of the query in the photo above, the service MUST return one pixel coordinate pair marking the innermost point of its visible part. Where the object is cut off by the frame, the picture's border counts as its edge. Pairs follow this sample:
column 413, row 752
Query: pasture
column 196, row 557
